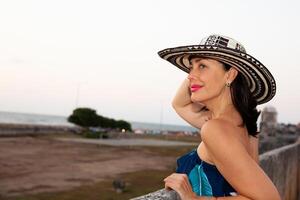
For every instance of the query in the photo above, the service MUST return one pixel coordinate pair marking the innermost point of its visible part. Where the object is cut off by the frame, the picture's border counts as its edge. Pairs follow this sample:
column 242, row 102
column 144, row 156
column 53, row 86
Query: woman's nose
column 191, row 76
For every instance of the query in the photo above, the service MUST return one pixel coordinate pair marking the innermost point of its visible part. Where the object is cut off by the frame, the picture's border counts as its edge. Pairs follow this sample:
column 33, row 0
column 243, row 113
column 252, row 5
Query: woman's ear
column 231, row 74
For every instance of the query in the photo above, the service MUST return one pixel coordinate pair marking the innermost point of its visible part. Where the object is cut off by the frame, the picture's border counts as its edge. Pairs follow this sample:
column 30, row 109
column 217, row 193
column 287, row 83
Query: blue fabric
column 199, row 181
column 204, row 178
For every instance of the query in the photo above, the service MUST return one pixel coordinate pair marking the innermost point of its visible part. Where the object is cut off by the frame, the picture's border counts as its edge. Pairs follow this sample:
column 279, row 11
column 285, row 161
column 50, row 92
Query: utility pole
column 161, row 116
column 77, row 95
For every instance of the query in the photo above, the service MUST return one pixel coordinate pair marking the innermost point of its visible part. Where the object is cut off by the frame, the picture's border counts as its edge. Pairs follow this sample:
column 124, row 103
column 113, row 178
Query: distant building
column 268, row 122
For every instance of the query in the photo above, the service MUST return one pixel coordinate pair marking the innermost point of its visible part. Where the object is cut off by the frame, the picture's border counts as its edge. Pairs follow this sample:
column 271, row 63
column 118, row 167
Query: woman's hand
column 180, row 183
column 195, row 113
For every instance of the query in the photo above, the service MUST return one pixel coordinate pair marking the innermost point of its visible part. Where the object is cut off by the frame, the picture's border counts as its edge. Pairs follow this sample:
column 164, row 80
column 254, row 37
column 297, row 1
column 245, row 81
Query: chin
column 196, row 99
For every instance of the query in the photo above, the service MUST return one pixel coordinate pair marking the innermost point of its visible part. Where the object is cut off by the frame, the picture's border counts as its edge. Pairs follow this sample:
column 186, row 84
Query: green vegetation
column 87, row 117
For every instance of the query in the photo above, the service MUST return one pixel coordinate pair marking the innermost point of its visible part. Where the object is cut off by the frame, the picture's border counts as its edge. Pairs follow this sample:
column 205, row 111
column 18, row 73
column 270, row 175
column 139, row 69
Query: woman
column 220, row 96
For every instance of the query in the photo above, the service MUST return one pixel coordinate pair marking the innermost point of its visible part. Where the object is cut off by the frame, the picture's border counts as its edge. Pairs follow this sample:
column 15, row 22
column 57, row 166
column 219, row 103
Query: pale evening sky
column 107, row 51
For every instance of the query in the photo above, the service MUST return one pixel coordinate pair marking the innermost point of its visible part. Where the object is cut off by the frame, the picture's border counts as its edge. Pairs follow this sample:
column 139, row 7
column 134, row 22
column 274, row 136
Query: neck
column 219, row 109
column 222, row 107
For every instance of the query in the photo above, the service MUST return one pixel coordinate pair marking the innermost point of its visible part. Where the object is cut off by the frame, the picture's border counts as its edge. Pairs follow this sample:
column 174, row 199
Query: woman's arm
column 180, row 183
column 235, row 164
column 193, row 113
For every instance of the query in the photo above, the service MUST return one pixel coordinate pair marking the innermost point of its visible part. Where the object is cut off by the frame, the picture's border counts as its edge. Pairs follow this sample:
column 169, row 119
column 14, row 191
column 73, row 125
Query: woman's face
column 207, row 79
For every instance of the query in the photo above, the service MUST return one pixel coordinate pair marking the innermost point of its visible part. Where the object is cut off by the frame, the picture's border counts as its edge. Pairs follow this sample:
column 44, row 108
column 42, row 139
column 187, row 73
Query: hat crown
column 223, row 41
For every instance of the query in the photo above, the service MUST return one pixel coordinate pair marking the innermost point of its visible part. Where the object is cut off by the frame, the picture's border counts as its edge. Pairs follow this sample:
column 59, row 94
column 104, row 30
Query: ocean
column 38, row 119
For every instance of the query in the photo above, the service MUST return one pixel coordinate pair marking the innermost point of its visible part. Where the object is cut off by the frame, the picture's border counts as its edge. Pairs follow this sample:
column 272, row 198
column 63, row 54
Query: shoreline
column 15, row 129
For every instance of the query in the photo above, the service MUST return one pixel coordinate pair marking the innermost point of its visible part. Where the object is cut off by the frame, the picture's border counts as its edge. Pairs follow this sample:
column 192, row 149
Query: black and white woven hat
column 227, row 50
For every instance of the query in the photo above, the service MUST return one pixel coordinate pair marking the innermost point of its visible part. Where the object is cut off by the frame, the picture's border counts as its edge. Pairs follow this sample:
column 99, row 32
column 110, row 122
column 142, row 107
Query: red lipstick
column 195, row 87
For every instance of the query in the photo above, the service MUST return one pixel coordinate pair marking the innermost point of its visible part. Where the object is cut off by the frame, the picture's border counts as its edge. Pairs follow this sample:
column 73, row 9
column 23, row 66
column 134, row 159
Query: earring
column 227, row 84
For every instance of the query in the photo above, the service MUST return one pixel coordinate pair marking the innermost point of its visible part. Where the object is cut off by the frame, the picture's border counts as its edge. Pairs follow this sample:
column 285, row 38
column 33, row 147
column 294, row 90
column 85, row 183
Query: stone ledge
column 286, row 175
column 159, row 195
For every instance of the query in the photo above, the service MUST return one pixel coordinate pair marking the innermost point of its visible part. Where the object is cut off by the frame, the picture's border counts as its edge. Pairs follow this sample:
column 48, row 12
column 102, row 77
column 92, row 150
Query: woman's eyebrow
column 196, row 60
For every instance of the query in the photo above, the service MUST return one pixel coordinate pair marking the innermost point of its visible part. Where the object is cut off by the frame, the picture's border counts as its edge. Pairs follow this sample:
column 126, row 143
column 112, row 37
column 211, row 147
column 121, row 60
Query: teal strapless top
column 204, row 177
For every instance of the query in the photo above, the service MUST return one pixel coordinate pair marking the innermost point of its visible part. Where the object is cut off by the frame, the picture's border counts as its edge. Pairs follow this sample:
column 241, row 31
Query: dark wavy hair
column 242, row 99
column 244, row 102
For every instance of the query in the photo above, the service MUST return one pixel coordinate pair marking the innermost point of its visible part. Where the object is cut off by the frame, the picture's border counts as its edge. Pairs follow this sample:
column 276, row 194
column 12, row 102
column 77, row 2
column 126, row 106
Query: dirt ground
column 39, row 164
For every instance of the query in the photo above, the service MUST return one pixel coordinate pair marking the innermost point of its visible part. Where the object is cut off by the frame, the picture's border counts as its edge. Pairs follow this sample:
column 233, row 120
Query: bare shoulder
column 234, row 162
column 216, row 129
column 217, row 134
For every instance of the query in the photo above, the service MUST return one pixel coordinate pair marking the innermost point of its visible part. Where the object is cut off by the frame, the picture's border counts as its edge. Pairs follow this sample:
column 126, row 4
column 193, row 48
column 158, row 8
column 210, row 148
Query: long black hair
column 244, row 102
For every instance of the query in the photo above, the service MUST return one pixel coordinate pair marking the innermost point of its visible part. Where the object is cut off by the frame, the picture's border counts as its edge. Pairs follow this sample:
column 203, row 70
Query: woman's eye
column 202, row 66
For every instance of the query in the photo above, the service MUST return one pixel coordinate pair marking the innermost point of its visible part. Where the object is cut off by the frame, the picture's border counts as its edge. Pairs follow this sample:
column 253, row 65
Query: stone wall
column 282, row 165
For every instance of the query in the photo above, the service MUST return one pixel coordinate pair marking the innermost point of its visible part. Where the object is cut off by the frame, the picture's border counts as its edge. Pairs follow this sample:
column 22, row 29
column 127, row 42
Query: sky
column 61, row 54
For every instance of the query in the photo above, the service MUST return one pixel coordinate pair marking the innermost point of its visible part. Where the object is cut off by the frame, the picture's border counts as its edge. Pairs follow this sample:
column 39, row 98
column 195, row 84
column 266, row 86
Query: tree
column 123, row 125
column 88, row 117
column 85, row 117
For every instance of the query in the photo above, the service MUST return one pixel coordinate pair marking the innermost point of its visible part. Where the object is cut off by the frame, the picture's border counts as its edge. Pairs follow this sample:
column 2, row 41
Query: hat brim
column 260, row 81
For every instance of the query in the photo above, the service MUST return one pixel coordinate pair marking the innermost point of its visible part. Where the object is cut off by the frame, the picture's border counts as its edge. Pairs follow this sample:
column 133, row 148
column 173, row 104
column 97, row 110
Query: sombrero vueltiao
column 227, row 50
